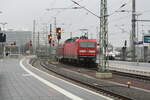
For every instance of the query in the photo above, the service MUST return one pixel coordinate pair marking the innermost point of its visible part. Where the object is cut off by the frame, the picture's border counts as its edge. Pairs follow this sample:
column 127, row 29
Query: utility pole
column 55, row 25
column 51, row 41
column 46, row 42
column 55, row 22
column 38, row 44
column 38, row 40
column 71, row 35
column 103, row 71
column 133, row 29
column 50, row 28
column 33, row 37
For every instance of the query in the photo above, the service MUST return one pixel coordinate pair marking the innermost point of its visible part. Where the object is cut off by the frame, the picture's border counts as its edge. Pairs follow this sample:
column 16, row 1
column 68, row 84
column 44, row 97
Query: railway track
column 133, row 76
column 123, row 74
column 111, row 90
column 93, row 86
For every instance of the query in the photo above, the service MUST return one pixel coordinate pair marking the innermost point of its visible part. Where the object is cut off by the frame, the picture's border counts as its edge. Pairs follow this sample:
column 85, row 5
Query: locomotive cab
column 87, row 51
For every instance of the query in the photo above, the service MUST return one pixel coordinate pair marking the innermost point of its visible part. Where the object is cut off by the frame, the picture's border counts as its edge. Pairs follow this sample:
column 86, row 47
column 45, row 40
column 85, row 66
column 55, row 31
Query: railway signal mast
column 103, row 71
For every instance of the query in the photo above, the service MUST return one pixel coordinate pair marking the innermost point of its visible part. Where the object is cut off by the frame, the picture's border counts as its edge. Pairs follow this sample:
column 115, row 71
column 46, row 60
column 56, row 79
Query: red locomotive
column 78, row 50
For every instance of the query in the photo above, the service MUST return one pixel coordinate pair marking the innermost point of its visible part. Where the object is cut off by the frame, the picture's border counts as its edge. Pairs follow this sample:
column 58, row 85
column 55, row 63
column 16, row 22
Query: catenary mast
column 103, row 62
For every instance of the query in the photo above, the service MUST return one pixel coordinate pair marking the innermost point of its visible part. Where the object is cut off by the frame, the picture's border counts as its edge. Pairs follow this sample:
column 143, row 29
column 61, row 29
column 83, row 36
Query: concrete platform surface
column 20, row 81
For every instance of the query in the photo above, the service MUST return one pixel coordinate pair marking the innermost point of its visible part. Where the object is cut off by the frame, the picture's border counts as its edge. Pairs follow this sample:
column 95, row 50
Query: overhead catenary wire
column 123, row 5
column 119, row 19
column 58, row 12
column 76, row 2
column 85, row 8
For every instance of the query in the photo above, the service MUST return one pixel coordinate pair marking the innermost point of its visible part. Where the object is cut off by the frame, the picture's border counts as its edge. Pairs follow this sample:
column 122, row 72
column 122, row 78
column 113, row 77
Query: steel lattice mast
column 103, row 62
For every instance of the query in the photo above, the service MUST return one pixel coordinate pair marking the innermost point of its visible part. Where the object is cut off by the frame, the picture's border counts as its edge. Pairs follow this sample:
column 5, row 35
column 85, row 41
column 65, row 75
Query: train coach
column 78, row 50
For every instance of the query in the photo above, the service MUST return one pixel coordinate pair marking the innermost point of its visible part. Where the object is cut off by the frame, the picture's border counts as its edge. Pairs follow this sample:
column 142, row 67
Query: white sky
column 19, row 14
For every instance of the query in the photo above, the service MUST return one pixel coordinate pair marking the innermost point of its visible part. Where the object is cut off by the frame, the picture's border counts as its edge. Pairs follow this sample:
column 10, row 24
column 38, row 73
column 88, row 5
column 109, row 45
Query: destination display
column 146, row 39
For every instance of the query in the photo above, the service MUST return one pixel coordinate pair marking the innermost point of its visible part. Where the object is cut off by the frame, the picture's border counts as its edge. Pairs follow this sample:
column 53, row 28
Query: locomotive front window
column 86, row 44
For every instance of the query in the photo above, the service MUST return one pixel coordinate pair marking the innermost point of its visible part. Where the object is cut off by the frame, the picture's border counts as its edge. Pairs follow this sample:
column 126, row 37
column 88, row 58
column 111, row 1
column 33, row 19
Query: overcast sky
column 19, row 14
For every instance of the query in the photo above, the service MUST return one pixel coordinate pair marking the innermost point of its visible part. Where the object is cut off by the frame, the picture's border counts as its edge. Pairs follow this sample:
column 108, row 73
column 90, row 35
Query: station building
column 19, row 37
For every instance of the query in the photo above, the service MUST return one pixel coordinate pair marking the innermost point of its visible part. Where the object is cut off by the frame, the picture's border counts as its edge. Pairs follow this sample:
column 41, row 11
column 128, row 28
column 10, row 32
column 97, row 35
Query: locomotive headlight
column 82, row 51
column 91, row 51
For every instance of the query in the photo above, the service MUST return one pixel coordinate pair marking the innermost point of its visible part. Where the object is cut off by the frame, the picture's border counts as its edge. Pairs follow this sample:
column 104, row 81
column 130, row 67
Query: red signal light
column 50, row 37
column 58, row 30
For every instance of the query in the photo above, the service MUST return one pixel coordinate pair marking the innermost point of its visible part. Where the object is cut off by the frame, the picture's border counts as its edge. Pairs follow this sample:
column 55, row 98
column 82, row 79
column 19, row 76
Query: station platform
column 131, row 67
column 20, row 81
